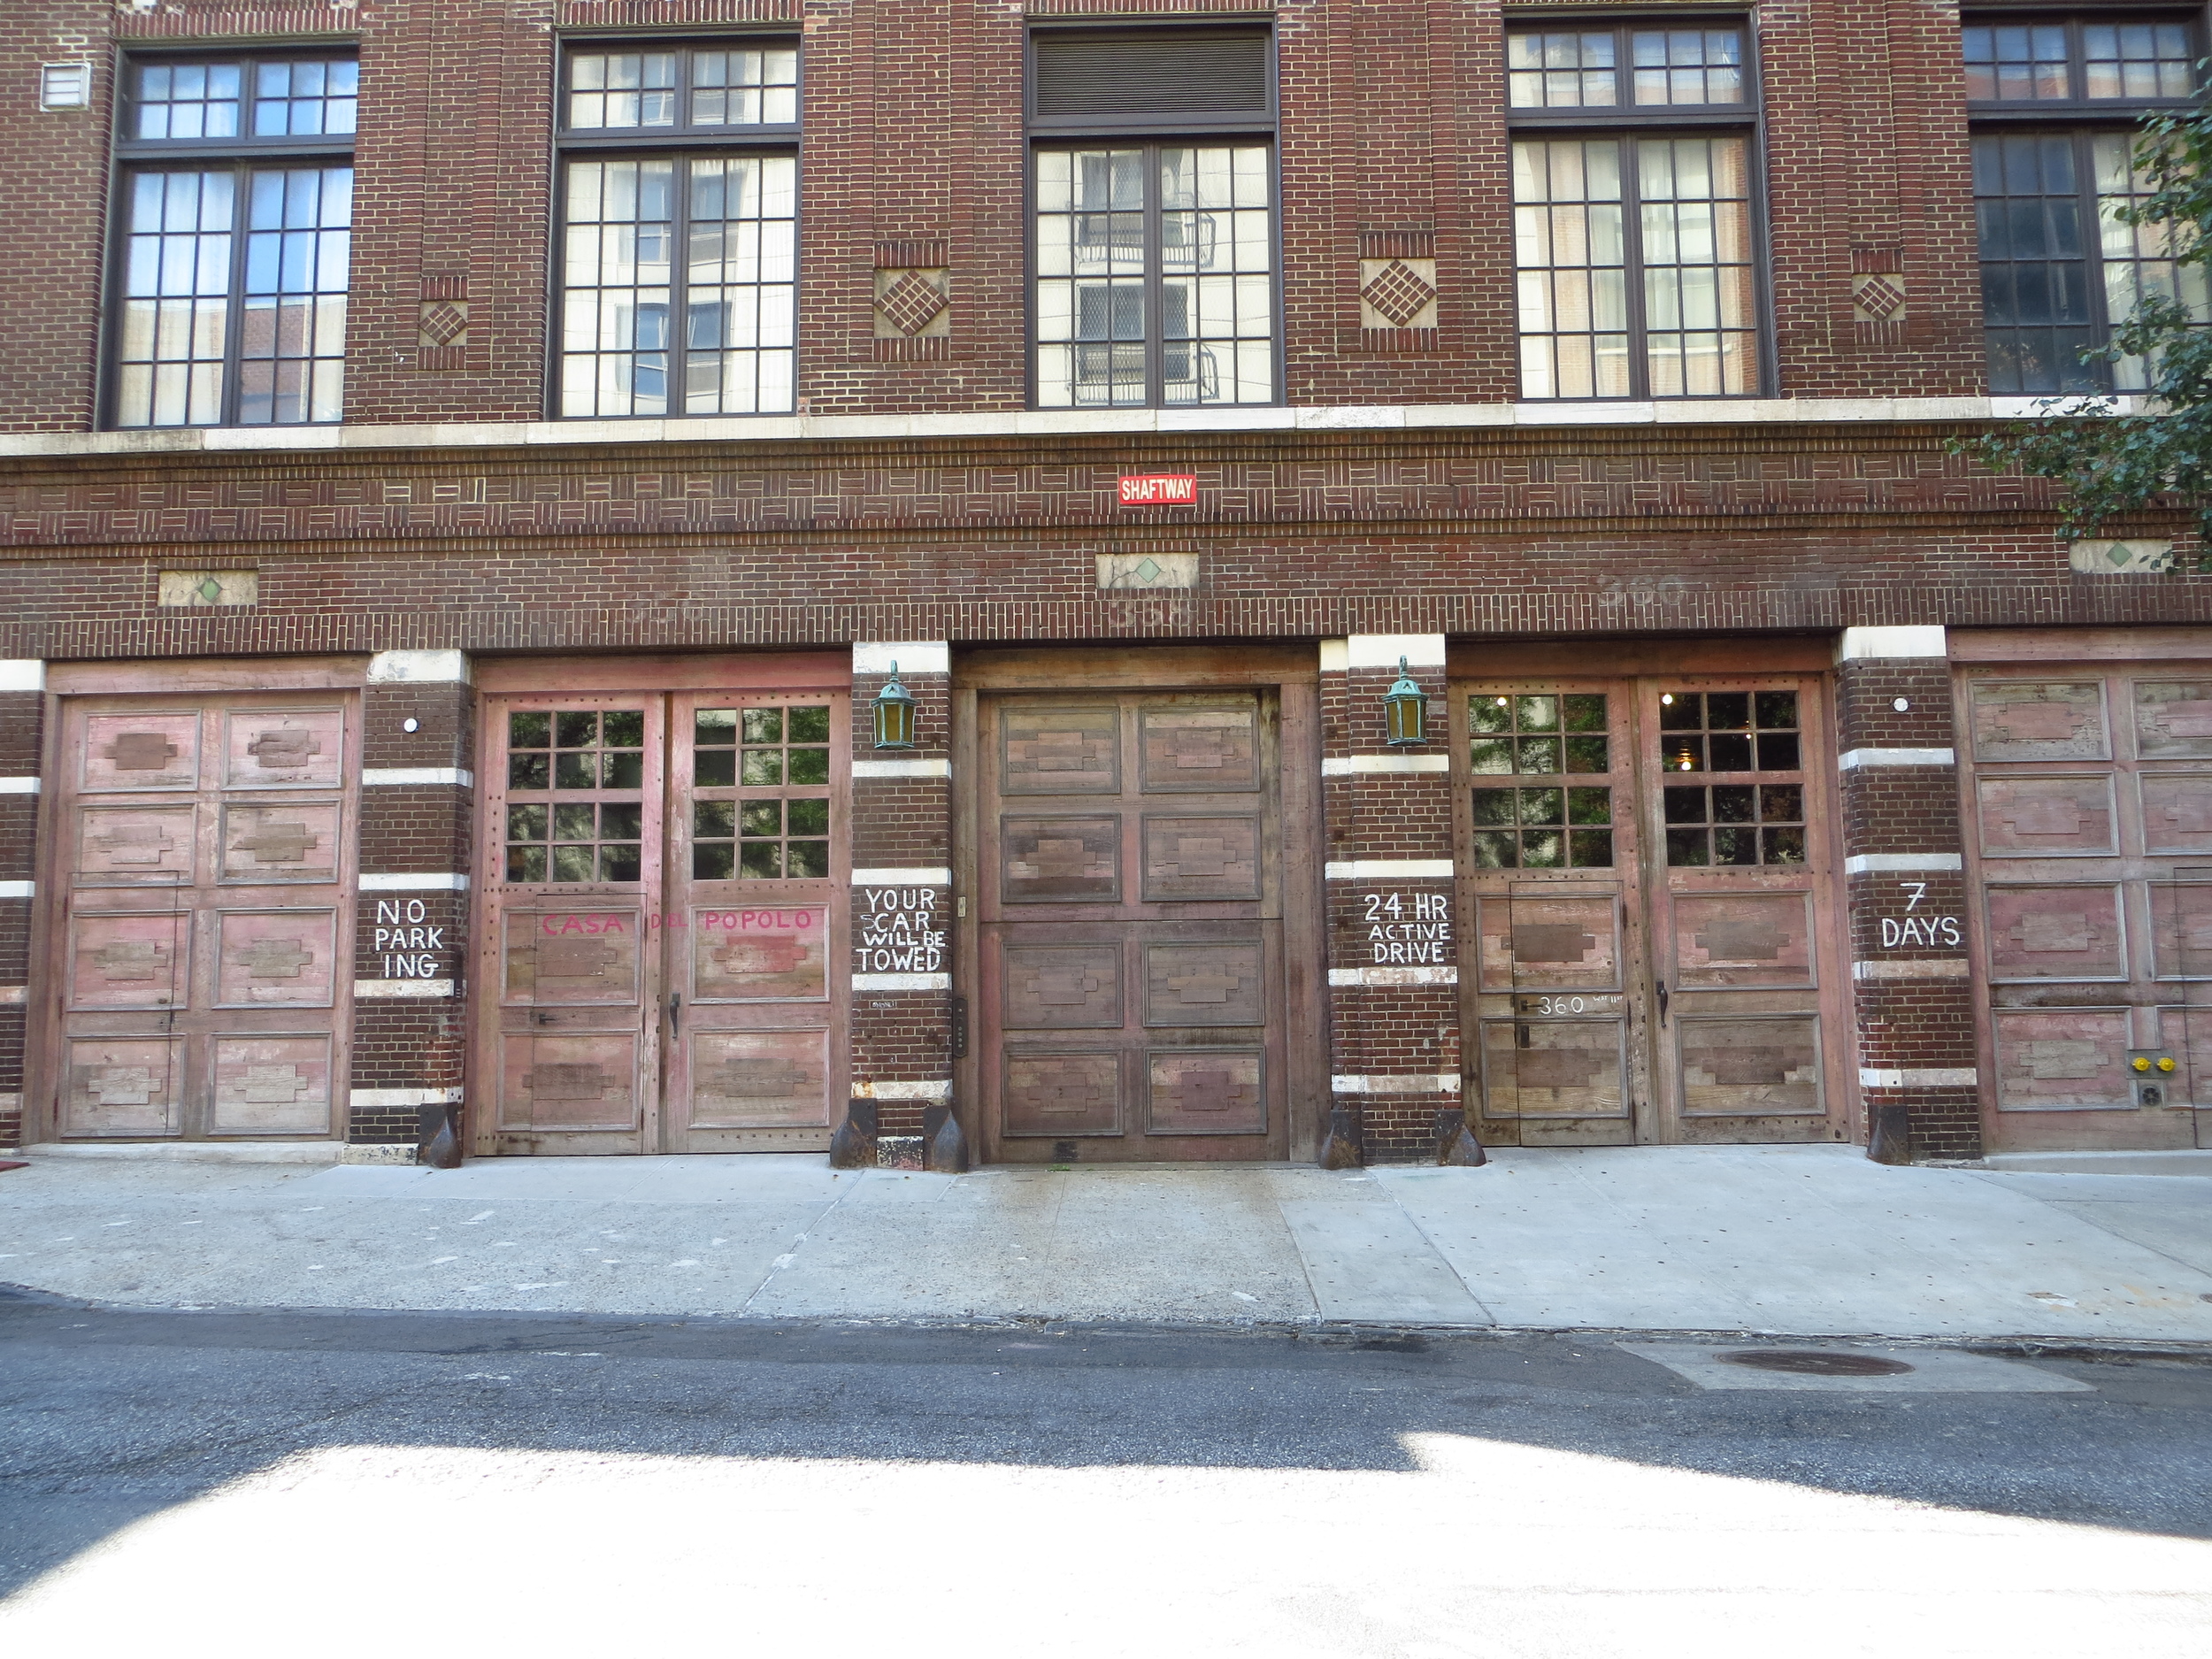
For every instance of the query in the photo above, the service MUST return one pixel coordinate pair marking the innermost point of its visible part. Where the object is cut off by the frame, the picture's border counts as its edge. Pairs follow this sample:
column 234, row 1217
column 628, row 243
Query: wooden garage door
column 1131, row 933
column 662, row 917
column 2089, row 828
column 1645, row 865
column 206, row 927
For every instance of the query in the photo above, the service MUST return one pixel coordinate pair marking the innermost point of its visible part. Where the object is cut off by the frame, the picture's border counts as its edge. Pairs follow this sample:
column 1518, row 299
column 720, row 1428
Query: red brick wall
column 22, row 718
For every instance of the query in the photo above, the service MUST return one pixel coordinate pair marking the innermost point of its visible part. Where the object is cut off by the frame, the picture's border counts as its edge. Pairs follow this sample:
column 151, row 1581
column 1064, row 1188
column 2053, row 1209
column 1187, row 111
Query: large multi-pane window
column 236, row 210
column 678, row 258
column 1155, row 276
column 1153, row 235
column 2055, row 102
column 1635, row 212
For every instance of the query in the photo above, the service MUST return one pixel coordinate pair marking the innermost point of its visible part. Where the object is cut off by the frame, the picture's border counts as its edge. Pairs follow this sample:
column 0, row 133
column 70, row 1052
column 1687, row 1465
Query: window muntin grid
column 1581, row 69
column 1686, row 285
column 680, row 265
column 723, row 87
column 1550, row 826
column 1758, row 818
column 1155, row 276
column 2043, row 304
column 776, row 825
column 199, row 326
column 2142, row 59
column 205, row 103
column 573, row 759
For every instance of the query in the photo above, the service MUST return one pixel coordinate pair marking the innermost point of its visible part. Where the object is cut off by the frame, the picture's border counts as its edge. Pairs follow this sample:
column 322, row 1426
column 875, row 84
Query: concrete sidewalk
column 1797, row 1240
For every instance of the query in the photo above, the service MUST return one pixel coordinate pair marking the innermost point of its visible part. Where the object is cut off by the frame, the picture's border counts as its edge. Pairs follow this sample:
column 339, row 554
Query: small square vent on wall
column 65, row 87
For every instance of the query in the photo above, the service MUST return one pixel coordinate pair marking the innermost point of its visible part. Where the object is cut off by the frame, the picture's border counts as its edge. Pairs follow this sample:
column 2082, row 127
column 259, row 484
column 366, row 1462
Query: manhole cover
column 1816, row 1362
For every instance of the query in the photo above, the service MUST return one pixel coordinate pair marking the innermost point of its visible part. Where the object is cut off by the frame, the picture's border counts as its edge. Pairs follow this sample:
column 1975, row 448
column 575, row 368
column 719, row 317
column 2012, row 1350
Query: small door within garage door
column 206, row 930
column 662, row 920
column 1645, row 865
column 2089, row 830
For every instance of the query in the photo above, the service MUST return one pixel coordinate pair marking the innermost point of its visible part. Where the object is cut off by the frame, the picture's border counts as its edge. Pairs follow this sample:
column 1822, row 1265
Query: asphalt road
column 287, row 1482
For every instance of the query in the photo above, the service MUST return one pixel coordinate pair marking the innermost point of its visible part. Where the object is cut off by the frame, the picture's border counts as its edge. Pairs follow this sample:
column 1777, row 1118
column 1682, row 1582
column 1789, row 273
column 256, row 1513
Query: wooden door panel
column 134, row 846
column 2176, row 809
column 1059, row 1093
column 276, row 958
column 154, row 749
column 1131, row 965
column 1216, row 860
column 2063, row 1061
column 124, row 959
column 297, row 841
column 1217, row 984
column 583, row 1081
column 1554, row 1068
column 1745, row 940
column 271, row 1085
column 2181, row 931
column 759, row 953
column 1060, row 750
column 122, row 1085
column 2072, row 932
column 1549, row 943
column 2039, row 720
column 1751, row 1068
column 2173, row 720
column 759, row 1079
column 565, row 958
column 205, row 917
column 1061, row 987
column 283, row 748
column 1061, row 860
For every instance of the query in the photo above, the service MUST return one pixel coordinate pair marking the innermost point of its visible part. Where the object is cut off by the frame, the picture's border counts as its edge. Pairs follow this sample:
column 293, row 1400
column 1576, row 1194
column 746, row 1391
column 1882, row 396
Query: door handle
column 675, row 1009
column 1663, row 1001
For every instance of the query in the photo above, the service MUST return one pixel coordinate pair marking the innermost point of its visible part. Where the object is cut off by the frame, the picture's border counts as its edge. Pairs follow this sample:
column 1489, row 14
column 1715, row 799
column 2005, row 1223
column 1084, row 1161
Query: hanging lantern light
column 1405, row 711
column 894, row 714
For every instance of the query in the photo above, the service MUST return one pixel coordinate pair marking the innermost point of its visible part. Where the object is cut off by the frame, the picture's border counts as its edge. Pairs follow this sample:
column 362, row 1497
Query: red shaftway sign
column 1152, row 489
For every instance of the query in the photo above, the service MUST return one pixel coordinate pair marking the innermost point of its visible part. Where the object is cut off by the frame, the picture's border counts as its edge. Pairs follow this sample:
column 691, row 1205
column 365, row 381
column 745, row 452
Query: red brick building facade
column 472, row 472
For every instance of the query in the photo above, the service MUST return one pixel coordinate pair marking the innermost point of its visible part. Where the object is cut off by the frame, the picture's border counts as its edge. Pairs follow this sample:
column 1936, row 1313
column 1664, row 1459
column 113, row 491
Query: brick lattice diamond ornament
column 442, row 323
column 1880, row 297
column 1399, row 293
column 911, row 302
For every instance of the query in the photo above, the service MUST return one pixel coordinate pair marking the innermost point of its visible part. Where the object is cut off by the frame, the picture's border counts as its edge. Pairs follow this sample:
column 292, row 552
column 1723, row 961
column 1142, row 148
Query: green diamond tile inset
column 1150, row 570
column 210, row 590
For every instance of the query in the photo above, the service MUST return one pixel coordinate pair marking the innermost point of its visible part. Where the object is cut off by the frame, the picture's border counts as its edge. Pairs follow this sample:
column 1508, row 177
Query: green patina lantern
column 894, row 714
column 1405, row 711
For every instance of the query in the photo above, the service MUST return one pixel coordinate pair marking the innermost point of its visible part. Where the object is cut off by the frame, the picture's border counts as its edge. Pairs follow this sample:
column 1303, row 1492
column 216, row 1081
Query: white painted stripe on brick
column 17, row 890
column 1853, row 759
column 22, row 673
column 1393, row 976
column 1878, row 863
column 902, row 982
column 1858, row 644
column 18, row 786
column 921, row 876
column 14, row 995
column 1386, row 869
column 386, row 989
column 902, row 1091
column 418, row 668
column 1383, row 650
column 368, row 1099
column 1919, row 1077
column 1349, row 765
column 1912, row 968
column 409, row 883
column 913, row 656
column 1335, row 657
column 11, row 1102
column 1420, row 1083
column 902, row 769
column 458, row 777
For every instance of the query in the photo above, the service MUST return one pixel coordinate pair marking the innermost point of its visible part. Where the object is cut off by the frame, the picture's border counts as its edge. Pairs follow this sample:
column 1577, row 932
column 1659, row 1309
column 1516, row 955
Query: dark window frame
column 131, row 158
column 2081, row 121
column 1626, row 122
column 680, row 145
column 1151, row 132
